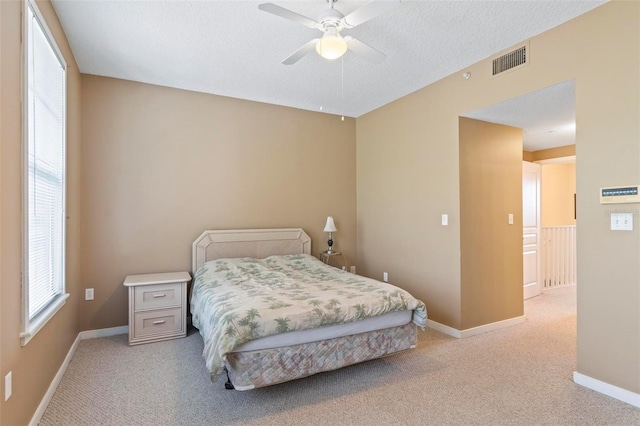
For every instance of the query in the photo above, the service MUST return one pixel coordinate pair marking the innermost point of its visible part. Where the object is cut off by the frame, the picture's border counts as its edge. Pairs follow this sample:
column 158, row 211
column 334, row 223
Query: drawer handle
column 159, row 295
column 159, row 322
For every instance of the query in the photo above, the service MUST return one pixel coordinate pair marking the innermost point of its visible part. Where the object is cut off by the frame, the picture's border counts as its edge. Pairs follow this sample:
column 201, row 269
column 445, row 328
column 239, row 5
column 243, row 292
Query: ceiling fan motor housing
column 331, row 18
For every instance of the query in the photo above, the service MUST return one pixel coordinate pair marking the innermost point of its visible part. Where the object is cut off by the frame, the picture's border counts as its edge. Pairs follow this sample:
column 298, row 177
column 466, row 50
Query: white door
column 531, row 228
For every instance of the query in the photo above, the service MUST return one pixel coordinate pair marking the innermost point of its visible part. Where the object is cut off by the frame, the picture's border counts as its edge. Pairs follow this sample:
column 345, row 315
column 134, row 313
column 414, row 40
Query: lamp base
column 330, row 244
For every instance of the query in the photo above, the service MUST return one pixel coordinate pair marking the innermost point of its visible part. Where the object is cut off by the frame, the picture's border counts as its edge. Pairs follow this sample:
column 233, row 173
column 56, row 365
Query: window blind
column 46, row 168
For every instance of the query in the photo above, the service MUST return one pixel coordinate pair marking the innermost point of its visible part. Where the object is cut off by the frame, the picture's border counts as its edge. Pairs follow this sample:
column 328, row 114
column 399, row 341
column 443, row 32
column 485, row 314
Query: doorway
column 558, row 227
column 531, row 266
column 547, row 118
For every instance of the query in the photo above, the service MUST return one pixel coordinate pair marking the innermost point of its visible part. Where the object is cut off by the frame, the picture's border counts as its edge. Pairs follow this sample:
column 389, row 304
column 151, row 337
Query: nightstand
column 157, row 306
column 326, row 257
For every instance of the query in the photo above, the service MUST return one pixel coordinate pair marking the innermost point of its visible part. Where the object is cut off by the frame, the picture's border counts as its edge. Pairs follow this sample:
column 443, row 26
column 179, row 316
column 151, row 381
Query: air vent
column 510, row 60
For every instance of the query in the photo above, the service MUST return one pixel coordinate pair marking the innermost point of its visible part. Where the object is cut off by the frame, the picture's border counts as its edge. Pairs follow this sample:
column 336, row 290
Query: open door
column 531, row 228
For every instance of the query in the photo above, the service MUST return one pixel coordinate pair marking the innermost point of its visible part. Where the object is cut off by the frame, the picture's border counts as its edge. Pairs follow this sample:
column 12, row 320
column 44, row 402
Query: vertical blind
column 45, row 168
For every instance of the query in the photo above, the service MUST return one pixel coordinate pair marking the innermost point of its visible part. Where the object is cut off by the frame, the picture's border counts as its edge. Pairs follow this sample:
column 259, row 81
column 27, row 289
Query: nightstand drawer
column 162, row 321
column 157, row 296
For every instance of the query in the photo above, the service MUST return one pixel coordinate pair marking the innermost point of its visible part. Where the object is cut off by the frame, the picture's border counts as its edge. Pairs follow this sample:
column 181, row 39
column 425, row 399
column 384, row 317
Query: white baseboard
column 83, row 335
column 453, row 332
column 104, row 332
column 607, row 389
column 462, row 334
column 492, row 326
column 54, row 384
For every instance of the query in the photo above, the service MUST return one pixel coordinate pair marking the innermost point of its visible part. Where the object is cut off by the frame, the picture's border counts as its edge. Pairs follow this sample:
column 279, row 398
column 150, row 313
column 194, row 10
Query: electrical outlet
column 88, row 294
column 7, row 386
column 385, row 277
column 353, row 269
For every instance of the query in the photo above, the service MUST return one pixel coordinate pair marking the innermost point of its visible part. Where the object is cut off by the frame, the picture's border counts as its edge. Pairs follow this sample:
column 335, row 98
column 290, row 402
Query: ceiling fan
column 332, row 45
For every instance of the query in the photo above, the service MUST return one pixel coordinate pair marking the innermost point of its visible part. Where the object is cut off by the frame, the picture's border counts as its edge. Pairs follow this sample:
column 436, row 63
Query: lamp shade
column 330, row 226
column 331, row 45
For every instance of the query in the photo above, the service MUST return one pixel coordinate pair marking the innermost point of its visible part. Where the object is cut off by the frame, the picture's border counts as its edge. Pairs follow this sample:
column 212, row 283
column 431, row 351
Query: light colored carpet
column 521, row 375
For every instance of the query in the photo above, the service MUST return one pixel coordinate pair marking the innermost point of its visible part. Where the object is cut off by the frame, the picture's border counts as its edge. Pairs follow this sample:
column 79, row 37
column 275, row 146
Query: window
column 44, row 127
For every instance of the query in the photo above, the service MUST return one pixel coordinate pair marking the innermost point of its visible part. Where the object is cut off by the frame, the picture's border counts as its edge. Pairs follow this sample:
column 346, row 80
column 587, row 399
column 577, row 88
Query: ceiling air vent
column 510, row 60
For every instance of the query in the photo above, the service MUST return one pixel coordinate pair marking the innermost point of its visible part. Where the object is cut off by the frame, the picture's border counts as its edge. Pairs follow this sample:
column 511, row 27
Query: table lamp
column 330, row 227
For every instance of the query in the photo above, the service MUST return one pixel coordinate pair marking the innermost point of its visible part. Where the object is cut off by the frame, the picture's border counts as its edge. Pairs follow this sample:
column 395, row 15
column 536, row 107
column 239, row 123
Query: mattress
column 292, row 338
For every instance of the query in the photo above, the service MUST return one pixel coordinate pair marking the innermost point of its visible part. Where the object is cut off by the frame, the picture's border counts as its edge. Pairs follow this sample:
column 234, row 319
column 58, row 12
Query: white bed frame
column 256, row 243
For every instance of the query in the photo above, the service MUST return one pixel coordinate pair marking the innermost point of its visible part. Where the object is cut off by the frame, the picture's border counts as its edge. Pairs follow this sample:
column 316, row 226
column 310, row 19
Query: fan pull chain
column 342, row 86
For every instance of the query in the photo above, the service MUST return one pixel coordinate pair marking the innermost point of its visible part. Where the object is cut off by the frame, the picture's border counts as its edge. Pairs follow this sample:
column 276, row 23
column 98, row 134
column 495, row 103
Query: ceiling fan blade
column 368, row 11
column 364, row 50
column 287, row 14
column 298, row 54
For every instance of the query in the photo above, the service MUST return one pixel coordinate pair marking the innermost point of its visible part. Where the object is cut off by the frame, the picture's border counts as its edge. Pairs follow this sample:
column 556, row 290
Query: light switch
column 7, row 386
column 445, row 219
column 510, row 218
column 622, row 221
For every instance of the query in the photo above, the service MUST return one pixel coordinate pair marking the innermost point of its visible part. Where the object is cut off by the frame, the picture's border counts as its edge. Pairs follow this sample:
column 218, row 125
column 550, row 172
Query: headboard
column 257, row 243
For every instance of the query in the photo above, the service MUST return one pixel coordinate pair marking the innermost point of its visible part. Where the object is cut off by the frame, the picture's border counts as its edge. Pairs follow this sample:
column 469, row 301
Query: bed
column 269, row 312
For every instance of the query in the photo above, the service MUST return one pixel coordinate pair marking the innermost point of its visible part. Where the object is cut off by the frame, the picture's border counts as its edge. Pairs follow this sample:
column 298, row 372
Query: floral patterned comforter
column 234, row 301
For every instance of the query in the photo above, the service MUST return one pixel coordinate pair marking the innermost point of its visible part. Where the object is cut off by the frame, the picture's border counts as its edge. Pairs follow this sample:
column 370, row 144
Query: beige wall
column 1, row 201
column 407, row 176
column 608, row 154
column 33, row 366
column 490, row 248
column 161, row 165
column 546, row 154
column 557, row 189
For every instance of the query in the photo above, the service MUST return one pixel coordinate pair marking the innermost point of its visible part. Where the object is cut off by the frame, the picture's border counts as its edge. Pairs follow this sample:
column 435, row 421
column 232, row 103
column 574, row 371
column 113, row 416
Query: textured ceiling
column 547, row 116
column 231, row 48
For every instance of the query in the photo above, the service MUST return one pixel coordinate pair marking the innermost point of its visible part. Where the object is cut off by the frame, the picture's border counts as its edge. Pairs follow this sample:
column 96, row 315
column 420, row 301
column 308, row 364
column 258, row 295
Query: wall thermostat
column 620, row 195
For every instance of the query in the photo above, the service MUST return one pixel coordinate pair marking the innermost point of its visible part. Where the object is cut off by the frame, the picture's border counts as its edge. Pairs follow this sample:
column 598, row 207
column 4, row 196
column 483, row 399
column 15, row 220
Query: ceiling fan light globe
column 331, row 46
